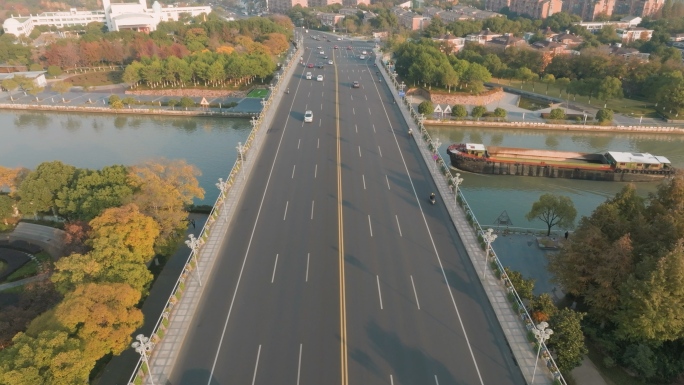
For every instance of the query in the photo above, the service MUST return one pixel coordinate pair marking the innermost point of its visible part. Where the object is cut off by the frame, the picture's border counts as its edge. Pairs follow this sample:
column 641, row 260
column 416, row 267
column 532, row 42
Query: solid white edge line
column 306, row 279
column 398, row 225
column 275, row 265
column 377, row 279
column 415, row 293
column 434, row 247
column 251, row 237
column 256, row 366
column 299, row 365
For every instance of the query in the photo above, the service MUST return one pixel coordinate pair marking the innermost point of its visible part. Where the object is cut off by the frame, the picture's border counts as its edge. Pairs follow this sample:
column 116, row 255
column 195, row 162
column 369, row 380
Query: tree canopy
column 553, row 210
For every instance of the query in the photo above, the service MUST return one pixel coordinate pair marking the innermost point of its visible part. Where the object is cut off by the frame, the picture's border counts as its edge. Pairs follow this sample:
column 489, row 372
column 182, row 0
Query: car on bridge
column 330, row 62
column 308, row 116
column 356, row 85
column 308, row 76
column 319, row 78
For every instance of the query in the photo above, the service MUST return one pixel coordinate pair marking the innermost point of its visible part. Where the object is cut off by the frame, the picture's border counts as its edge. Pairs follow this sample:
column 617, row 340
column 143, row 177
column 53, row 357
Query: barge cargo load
column 611, row 166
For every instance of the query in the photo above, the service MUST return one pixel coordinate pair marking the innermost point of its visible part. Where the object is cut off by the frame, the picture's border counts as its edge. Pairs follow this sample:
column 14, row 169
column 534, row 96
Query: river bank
column 148, row 110
column 558, row 127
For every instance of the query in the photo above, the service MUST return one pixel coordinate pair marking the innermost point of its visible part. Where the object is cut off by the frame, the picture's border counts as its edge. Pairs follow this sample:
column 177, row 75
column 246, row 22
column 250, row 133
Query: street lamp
column 436, row 144
column 456, row 180
column 241, row 150
column 585, row 118
column 143, row 346
column 222, row 186
column 541, row 333
column 194, row 243
column 489, row 237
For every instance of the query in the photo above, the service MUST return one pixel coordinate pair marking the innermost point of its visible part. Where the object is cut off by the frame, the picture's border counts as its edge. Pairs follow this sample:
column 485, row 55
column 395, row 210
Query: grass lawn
column 623, row 106
column 3, row 266
column 31, row 268
column 258, row 93
column 13, row 290
column 91, row 79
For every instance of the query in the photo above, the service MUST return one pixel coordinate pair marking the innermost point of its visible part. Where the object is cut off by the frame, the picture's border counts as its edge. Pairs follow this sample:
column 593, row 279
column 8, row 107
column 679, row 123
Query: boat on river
column 610, row 166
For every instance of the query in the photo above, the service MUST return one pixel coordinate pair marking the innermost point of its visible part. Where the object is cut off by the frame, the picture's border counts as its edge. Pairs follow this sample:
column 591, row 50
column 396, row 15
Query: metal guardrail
column 517, row 302
column 141, row 370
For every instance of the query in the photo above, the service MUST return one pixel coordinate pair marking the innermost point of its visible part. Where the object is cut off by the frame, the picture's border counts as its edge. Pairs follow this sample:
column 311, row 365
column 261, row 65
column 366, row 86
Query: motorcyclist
column 410, row 132
column 432, row 197
column 288, row 90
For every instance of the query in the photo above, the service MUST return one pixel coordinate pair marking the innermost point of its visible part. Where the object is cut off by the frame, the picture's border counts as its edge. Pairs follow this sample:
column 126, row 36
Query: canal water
column 94, row 141
column 491, row 195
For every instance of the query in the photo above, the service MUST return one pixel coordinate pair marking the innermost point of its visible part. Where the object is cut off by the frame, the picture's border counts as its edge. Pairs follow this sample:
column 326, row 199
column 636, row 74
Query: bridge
column 324, row 262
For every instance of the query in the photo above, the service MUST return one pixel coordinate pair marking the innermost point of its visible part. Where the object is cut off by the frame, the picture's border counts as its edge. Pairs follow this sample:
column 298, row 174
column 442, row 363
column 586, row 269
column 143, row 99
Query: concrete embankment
column 558, row 127
column 127, row 111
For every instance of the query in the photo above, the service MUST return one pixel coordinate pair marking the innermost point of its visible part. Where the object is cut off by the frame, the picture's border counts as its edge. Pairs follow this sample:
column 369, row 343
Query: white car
column 319, row 78
column 322, row 53
column 308, row 117
column 362, row 57
column 308, row 76
column 339, row 39
column 364, row 52
column 330, row 62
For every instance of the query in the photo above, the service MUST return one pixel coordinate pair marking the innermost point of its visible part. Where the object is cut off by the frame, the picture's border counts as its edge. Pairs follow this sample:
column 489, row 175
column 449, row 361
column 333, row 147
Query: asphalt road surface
column 337, row 269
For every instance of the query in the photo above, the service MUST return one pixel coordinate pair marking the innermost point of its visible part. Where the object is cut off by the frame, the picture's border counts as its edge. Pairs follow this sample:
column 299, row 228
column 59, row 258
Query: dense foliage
column 132, row 213
column 625, row 264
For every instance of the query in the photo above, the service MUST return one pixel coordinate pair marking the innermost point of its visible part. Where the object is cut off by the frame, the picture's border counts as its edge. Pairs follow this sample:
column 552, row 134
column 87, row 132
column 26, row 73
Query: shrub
column 557, row 114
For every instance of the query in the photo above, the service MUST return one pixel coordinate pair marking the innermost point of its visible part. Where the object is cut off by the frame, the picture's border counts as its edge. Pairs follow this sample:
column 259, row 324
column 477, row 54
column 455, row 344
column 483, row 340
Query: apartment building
column 536, row 9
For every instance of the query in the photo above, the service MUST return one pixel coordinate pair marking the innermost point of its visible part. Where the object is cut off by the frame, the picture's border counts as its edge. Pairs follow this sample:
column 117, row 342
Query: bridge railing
column 442, row 167
column 237, row 171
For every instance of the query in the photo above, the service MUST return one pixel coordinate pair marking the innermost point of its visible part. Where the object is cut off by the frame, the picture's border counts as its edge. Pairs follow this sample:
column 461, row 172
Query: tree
column 426, row 107
column 187, row 102
column 542, row 307
column 38, row 191
column 500, row 112
column 163, row 189
column 478, row 112
column 567, row 340
column 6, row 207
column 9, row 85
column 54, row 71
column 51, row 357
column 609, row 88
column 91, row 192
column 557, row 114
column 604, row 116
column 103, row 316
column 61, row 87
column 525, row 75
column 562, row 84
column 548, row 79
column 459, row 111
column 523, row 286
column 553, row 210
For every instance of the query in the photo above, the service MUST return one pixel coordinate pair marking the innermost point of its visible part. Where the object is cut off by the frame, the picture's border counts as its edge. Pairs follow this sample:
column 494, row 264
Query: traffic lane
column 460, row 268
column 213, row 311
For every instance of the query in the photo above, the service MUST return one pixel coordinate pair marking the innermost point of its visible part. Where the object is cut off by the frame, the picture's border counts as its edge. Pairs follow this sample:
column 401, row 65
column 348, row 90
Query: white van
column 308, row 76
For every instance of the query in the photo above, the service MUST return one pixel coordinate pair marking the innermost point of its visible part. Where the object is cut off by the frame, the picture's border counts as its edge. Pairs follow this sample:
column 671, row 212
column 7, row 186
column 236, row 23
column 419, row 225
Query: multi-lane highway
column 337, row 269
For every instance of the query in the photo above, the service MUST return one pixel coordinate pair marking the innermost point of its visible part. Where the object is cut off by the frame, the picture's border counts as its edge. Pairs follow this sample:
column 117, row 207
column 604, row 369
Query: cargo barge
column 610, row 166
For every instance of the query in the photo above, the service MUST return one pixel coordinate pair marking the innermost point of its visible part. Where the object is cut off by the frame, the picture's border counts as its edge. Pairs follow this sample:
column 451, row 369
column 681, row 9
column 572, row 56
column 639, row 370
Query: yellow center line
column 340, row 239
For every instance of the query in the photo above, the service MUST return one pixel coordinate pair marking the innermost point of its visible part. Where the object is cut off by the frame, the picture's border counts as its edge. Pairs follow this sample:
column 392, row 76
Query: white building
column 117, row 16
column 38, row 77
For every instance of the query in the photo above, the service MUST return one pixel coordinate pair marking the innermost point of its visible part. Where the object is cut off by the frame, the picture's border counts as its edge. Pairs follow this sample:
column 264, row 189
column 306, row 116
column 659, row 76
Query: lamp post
column 143, row 346
column 456, row 180
column 241, row 150
column 541, row 333
column 194, row 243
column 436, row 144
column 222, row 185
column 585, row 118
column 271, row 88
column 489, row 237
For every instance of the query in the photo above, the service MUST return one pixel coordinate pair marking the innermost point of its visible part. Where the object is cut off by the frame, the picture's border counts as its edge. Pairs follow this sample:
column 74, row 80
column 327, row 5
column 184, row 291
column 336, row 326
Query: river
column 94, row 141
column 491, row 195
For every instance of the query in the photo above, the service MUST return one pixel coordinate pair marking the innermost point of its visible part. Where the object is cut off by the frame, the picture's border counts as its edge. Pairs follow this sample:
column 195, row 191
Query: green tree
column 187, row 102
column 38, row 191
column 54, row 71
column 478, row 112
column 641, row 359
column 548, row 79
column 91, row 192
column 172, row 103
column 609, row 88
column 542, row 307
column 524, row 286
column 6, row 207
column 525, row 74
column 604, row 116
column 557, row 114
column 500, row 112
column 562, row 84
column 554, row 210
column 567, row 340
column 426, row 107
column 459, row 111
column 61, row 87
column 113, row 99
column 9, row 85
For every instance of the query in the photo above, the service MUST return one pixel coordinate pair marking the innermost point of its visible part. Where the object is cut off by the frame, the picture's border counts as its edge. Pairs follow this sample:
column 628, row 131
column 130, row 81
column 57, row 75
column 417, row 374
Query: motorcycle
column 410, row 133
column 288, row 91
column 432, row 199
